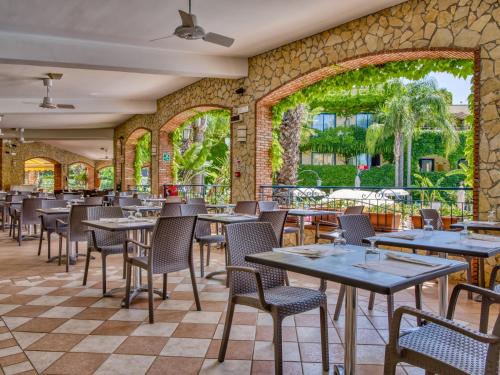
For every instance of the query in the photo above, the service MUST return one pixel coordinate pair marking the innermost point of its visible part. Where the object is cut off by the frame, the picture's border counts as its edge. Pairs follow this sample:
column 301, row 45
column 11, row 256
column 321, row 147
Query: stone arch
column 90, row 173
column 263, row 106
column 31, row 178
column 129, row 146
column 164, row 144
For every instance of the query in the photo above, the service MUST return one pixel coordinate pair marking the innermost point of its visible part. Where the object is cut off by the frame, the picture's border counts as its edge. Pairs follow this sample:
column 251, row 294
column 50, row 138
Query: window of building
column 364, row 120
column 305, row 158
column 426, row 165
column 324, row 121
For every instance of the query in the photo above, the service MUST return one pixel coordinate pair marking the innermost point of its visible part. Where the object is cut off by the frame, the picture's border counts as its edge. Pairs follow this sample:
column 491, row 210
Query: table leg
column 443, row 290
column 351, row 301
column 301, row 230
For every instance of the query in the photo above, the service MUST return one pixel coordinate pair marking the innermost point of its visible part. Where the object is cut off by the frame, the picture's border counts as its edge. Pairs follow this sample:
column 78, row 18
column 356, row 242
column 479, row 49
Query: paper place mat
column 400, row 235
column 484, row 237
column 492, row 223
column 399, row 268
column 312, row 251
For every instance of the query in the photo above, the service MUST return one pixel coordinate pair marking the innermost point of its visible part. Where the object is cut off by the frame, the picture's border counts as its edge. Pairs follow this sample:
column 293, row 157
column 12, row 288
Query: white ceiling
column 112, row 71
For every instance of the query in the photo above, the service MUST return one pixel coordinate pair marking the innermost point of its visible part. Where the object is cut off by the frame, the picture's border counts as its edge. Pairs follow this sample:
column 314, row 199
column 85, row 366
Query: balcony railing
column 211, row 193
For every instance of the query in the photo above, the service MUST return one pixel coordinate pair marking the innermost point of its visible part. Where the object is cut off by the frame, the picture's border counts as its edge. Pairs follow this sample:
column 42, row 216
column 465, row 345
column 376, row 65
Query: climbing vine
column 142, row 156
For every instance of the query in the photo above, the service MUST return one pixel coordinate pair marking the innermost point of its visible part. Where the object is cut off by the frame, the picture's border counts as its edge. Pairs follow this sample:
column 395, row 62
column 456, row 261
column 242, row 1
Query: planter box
column 385, row 222
column 447, row 221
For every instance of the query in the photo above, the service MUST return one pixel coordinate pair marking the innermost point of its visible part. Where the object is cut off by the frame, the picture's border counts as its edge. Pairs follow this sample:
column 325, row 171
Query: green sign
column 166, row 157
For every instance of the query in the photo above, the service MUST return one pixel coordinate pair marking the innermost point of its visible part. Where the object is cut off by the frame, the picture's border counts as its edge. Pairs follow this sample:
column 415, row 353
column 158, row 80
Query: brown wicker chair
column 442, row 346
column 15, row 202
column 103, row 241
column 171, row 209
column 171, row 250
column 173, row 199
column 358, row 227
column 351, row 210
column 264, row 287
column 268, row 206
column 196, row 201
column 246, row 207
column 203, row 232
column 127, row 201
column 277, row 219
column 94, row 201
column 48, row 222
column 493, row 279
column 26, row 215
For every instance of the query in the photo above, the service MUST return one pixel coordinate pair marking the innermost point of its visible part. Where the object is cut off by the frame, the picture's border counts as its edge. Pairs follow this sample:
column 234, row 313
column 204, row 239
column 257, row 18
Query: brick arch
column 57, row 170
column 263, row 106
column 129, row 145
column 90, row 173
column 164, row 145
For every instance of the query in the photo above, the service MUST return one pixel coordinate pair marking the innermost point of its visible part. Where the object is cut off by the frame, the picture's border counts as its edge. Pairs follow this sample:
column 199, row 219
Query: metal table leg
column 351, row 300
column 301, row 230
column 443, row 290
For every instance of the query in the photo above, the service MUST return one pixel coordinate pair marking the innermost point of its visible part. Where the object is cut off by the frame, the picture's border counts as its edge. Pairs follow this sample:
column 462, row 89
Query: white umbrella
column 393, row 193
column 357, row 195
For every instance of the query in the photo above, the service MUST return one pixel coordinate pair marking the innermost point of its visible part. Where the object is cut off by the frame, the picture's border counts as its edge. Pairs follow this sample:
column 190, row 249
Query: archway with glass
column 43, row 173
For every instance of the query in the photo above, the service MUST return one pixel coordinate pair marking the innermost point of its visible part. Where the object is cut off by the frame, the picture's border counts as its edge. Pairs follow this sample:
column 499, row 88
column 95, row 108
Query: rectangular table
column 142, row 208
column 341, row 269
column 478, row 225
column 53, row 211
column 303, row 213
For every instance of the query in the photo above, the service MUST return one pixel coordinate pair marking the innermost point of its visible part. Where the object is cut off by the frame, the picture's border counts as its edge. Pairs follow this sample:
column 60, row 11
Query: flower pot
column 447, row 221
column 385, row 222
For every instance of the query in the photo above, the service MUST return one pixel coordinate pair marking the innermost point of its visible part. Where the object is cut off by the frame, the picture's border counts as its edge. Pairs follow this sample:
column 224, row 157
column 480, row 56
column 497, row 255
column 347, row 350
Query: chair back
column 127, row 201
column 95, row 201
column 173, row 199
column 277, row 220
column 268, row 206
column 49, row 221
column 105, row 237
column 354, row 210
column 356, row 228
column 196, row 201
column 246, row 207
column 76, row 230
column 70, row 196
column 244, row 239
column 432, row 214
column 172, row 244
column 142, row 196
column 203, row 227
column 171, row 209
column 15, row 202
column 28, row 210
column 3, row 194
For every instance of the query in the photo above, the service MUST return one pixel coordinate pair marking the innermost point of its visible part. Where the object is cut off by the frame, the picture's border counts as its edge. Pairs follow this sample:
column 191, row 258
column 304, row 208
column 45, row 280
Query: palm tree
column 408, row 108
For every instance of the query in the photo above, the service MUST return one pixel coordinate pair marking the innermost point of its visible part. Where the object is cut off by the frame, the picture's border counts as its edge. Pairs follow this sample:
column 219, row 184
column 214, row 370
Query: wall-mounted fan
column 191, row 31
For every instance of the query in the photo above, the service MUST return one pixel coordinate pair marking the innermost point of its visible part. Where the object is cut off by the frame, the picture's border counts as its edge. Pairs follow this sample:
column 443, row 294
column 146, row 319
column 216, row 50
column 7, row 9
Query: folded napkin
column 313, row 251
column 400, row 235
column 114, row 219
column 484, row 237
column 405, row 258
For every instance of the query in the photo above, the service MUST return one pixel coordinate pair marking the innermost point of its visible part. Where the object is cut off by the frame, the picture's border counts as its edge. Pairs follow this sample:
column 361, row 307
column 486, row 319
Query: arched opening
column 43, row 173
column 80, row 176
column 195, row 153
column 137, row 173
column 105, row 178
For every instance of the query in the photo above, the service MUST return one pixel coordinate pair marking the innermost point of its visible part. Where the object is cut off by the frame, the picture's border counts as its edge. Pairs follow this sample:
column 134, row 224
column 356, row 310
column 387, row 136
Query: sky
column 460, row 88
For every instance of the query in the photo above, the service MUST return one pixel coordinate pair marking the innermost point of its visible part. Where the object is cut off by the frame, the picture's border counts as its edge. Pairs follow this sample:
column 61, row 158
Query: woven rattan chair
column 48, row 222
column 293, row 230
column 277, row 219
column 264, row 287
column 94, row 201
column 356, row 228
column 127, row 201
column 442, row 346
column 351, row 210
column 27, row 215
column 171, row 250
column 268, row 206
column 246, row 207
column 103, row 241
column 171, row 209
column 173, row 199
column 70, row 196
column 203, row 232
column 493, row 279
column 14, row 202
column 196, row 201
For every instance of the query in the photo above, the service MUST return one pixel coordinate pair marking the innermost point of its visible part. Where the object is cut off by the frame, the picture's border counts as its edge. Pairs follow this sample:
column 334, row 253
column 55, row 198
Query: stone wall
column 414, row 29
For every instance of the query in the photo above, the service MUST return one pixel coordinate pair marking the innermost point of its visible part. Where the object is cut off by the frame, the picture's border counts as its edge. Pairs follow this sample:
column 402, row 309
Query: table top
column 121, row 226
column 478, row 225
column 220, row 205
column 227, row 218
column 154, row 199
column 342, row 269
column 141, row 208
column 440, row 241
column 307, row 212
column 53, row 211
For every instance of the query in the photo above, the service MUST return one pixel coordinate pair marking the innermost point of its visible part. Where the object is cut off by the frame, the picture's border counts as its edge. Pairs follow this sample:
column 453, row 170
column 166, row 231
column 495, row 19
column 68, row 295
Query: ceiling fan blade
column 188, row 20
column 163, row 37
column 65, row 106
column 218, row 39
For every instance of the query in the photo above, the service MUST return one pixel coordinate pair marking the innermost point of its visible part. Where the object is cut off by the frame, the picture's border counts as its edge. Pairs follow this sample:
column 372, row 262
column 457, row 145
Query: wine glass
column 464, row 233
column 372, row 253
column 339, row 238
column 131, row 215
column 138, row 214
column 428, row 228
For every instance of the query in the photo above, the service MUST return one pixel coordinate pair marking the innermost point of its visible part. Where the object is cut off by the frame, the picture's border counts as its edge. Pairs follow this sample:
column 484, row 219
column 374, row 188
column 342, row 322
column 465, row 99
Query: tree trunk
column 409, row 159
column 402, row 163
column 199, row 127
column 398, row 138
column 289, row 140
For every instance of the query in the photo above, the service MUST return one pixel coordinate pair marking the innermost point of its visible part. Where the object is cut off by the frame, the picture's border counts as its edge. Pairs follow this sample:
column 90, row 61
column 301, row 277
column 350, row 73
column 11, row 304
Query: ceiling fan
column 48, row 102
column 191, row 31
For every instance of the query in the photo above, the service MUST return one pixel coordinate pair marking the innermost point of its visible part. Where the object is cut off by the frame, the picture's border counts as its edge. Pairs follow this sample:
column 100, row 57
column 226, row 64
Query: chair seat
column 291, row 300
column 445, row 345
column 328, row 236
column 114, row 249
column 139, row 261
column 290, row 230
column 211, row 239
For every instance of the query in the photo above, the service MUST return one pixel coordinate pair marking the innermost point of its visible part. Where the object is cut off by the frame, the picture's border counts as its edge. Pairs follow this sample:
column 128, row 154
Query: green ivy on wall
column 142, row 156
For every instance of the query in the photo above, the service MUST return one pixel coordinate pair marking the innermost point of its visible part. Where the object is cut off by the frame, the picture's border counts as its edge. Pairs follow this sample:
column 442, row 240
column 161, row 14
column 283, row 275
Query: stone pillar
column 164, row 167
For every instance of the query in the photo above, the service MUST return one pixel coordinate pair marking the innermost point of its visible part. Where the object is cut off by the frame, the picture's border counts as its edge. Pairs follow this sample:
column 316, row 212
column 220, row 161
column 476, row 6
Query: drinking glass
column 464, row 233
column 131, row 215
column 138, row 214
column 428, row 228
column 372, row 253
column 492, row 216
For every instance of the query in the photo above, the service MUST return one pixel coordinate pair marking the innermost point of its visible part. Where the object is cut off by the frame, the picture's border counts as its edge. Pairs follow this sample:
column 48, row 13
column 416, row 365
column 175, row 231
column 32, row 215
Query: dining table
column 142, row 209
column 301, row 214
column 476, row 225
column 347, row 264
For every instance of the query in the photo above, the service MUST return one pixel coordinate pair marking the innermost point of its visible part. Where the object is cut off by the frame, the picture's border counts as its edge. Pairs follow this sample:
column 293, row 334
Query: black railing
column 389, row 208
column 211, row 193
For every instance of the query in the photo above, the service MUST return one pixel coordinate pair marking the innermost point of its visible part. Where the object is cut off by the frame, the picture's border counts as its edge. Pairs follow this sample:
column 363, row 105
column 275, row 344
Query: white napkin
column 400, row 235
column 484, row 237
column 405, row 258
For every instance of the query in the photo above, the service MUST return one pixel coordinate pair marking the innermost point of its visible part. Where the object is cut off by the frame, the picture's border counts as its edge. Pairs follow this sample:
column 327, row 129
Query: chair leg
column 19, row 233
column 127, row 285
column 316, row 233
column 40, row 242
column 60, row 249
column 68, row 248
column 150, row 297
column 124, row 272
column 371, row 301
column 103, row 260
column 297, row 239
column 340, row 301
column 390, row 308
column 469, row 275
column 208, row 254
column 323, row 315
column 202, row 265
column 164, row 292
column 418, row 301
column 278, row 344
column 87, row 264
column 49, row 234
column 227, row 331
column 389, row 364
column 195, row 287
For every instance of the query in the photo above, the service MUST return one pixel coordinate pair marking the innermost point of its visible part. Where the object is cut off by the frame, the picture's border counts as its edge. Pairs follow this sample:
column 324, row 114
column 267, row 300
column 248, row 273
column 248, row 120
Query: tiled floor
column 51, row 324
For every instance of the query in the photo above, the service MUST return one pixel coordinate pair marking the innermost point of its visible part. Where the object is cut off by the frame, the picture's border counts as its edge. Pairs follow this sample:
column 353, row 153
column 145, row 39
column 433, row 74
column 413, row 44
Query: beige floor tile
column 175, row 305
column 125, row 365
column 4, row 309
column 186, row 347
column 213, row 367
column 135, row 315
column 209, row 317
column 18, row 368
column 42, row 360
column 99, row 344
column 38, row 290
column 48, row 300
column 62, row 312
column 156, row 329
column 264, row 350
column 238, row 332
column 25, row 339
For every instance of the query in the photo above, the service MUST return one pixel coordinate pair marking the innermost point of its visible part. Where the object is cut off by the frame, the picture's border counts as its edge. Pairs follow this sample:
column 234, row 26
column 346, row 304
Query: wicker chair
column 173, row 199
column 15, row 203
column 246, row 207
column 94, row 201
column 442, row 346
column 493, row 279
column 171, row 209
column 358, row 227
column 264, row 287
column 351, row 210
column 26, row 215
column 103, row 241
column 127, row 201
column 196, row 201
column 69, row 196
column 48, row 222
column 268, row 206
column 203, row 232
column 171, row 250
column 277, row 219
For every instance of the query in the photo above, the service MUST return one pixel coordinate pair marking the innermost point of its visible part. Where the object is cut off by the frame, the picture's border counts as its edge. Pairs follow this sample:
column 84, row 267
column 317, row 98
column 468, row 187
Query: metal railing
column 389, row 208
column 211, row 193
column 139, row 188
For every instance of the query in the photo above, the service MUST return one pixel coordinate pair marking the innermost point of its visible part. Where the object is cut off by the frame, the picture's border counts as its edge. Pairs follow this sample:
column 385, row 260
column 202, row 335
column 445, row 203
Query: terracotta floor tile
column 30, row 311
column 56, row 342
column 80, row 301
column 96, row 313
column 8, row 343
column 12, row 289
column 67, row 292
column 265, row 333
column 58, row 283
column 40, row 325
column 211, row 306
column 12, row 359
column 175, row 366
column 267, row 368
column 193, row 330
column 236, row 349
column 169, row 316
column 116, row 328
column 77, row 364
column 18, row 299
column 142, row 345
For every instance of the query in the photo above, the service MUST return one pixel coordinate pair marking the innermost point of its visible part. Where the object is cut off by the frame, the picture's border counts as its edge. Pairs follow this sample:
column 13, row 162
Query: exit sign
column 166, row 157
